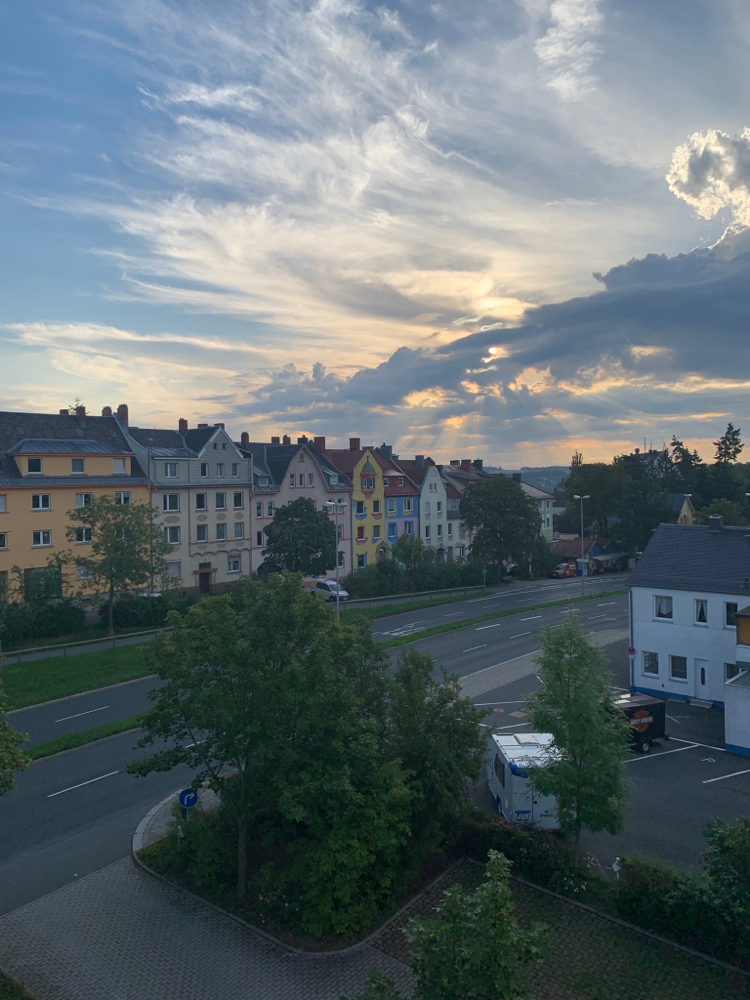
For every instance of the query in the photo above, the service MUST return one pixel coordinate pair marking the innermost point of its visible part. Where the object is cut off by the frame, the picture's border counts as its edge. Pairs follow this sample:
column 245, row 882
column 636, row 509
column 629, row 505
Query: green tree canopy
column 300, row 539
column 12, row 757
column 505, row 521
column 604, row 485
column 127, row 547
column 412, row 553
column 642, row 506
column 733, row 513
column 729, row 444
column 575, row 703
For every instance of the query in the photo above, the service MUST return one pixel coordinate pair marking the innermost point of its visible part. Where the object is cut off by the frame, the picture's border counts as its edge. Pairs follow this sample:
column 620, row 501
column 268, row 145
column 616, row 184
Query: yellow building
column 368, row 523
column 49, row 465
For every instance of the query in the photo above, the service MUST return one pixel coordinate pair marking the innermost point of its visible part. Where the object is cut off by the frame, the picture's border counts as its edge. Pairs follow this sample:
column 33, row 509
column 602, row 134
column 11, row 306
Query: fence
column 84, row 646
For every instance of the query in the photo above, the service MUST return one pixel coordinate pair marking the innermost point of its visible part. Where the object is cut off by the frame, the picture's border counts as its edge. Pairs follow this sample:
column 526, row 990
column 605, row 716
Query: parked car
column 564, row 569
column 327, row 590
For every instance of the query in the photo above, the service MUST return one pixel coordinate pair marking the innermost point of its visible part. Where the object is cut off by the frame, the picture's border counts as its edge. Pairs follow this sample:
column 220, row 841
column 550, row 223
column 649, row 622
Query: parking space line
column 723, row 776
column 676, row 739
column 644, row 756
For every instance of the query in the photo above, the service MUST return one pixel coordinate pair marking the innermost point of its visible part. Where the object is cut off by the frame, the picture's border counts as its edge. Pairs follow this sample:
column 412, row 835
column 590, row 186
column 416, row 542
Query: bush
column 61, row 618
column 137, row 612
column 22, row 622
column 645, row 893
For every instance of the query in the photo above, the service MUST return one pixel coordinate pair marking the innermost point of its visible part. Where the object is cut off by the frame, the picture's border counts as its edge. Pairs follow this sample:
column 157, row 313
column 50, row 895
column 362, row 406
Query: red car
column 564, row 569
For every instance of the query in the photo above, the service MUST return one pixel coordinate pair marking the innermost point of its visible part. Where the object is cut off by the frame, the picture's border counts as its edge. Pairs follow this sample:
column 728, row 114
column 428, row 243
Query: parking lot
column 675, row 790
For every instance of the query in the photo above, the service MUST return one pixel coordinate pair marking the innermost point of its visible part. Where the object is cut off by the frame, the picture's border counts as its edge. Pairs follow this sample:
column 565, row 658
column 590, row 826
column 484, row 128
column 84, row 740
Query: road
column 96, row 708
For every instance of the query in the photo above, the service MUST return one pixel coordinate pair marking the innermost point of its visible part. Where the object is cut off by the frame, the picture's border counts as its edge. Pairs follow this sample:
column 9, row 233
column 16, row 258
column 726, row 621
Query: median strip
column 74, row 740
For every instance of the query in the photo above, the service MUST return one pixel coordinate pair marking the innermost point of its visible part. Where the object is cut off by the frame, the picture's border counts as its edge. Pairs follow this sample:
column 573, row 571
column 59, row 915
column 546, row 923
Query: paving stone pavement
column 120, row 934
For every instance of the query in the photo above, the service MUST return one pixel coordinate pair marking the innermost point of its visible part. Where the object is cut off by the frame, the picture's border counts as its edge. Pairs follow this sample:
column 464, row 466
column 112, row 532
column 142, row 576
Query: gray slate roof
column 676, row 500
column 692, row 557
column 48, row 446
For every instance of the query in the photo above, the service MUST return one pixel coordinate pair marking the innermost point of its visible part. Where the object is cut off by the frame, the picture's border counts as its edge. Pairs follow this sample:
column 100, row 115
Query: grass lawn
column 59, row 676
column 73, row 740
column 353, row 615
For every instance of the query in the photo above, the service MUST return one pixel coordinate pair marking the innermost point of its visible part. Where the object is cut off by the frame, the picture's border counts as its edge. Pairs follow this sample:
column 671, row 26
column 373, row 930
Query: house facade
column 682, row 505
column 544, row 503
column 49, row 465
column 201, row 484
column 361, row 467
column 685, row 595
column 401, row 499
column 600, row 553
column 433, row 504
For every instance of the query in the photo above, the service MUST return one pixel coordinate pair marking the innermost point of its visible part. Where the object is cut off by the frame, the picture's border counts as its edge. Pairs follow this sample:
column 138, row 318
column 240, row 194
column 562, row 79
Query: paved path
column 120, row 934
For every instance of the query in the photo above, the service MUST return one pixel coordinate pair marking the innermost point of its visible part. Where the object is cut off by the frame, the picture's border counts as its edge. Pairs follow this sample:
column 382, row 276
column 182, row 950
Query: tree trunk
column 242, row 859
column 111, row 612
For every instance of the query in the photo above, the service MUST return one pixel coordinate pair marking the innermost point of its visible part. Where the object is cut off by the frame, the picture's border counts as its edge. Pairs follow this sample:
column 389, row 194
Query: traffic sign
column 188, row 798
column 631, row 650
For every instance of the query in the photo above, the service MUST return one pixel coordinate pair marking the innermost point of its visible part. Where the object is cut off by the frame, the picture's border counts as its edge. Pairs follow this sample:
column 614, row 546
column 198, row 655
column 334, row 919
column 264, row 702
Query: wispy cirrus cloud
column 569, row 49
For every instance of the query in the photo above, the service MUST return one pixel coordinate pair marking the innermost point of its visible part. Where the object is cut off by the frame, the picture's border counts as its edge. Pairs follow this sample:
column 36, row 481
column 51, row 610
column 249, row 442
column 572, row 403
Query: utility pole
column 582, row 498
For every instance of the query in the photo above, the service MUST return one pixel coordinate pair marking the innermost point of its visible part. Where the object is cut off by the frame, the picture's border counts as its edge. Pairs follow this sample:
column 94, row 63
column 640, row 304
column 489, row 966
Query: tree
column 12, row 757
column 127, row 550
column 505, row 521
column 411, row 552
column 300, row 539
column 733, row 513
column 687, row 465
column 472, row 948
column 603, row 484
column 643, row 506
column 586, row 766
column 729, row 445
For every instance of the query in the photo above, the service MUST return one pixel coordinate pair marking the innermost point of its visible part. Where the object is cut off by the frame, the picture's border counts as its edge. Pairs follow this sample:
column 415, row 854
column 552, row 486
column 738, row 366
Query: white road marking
column 481, row 628
column 485, row 704
column 513, row 725
column 723, row 776
column 520, row 634
column 68, row 717
column 531, row 619
column 643, row 756
column 672, row 719
column 453, row 614
column 607, row 604
column 474, row 647
column 90, row 782
column 592, row 617
column 675, row 739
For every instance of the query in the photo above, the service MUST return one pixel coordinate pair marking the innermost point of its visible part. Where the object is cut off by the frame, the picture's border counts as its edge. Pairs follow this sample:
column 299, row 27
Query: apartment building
column 544, row 502
column 435, row 529
column 401, row 496
column 284, row 472
column 202, row 484
column 457, row 477
column 49, row 465
column 363, row 470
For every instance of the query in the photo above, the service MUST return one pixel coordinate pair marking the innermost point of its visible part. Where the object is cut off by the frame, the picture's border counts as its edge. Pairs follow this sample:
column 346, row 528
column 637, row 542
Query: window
column 224, row 446
column 33, row 466
column 174, row 570
column 233, row 564
column 83, row 499
column 118, row 466
column 221, row 501
column 41, row 538
column 201, row 501
column 730, row 614
column 400, row 480
column 730, row 669
column 339, row 531
column 450, row 529
column 440, row 531
column 427, row 508
column 83, row 535
column 310, row 479
column 201, row 533
column 170, row 470
column 3, row 540
column 221, row 532
column 216, row 447
column 391, row 531
column 41, row 501
column 269, row 508
column 263, row 481
column 433, row 487
column 391, row 505
column 258, row 537
column 171, row 501
column 3, row 503
column 386, row 480
column 204, row 470
column 361, row 561
column 292, row 480
column 173, row 534
column 368, row 482
column 678, row 668
column 662, row 607
column 84, row 573
column 407, row 505
column 239, row 500
column 376, row 533
column 651, row 663
column 259, row 508
column 122, row 499
column 361, row 507
column 408, row 528
column 219, row 470
column 77, row 466
column 701, row 612
column 235, row 470
column 341, row 559
column 500, row 770
column 376, row 506
column 427, row 532
column 440, row 506
column 361, row 533
column 239, row 529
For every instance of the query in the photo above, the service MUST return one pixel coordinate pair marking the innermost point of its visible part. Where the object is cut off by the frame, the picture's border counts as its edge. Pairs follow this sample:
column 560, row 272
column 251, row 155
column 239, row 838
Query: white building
column 433, row 504
column 685, row 595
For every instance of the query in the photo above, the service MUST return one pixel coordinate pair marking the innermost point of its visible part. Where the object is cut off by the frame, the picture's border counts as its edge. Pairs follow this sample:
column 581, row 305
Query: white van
column 327, row 590
column 508, row 756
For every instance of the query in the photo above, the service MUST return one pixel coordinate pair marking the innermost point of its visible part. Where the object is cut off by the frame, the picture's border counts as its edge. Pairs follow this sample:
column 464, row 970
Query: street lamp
column 484, row 581
column 577, row 497
column 335, row 508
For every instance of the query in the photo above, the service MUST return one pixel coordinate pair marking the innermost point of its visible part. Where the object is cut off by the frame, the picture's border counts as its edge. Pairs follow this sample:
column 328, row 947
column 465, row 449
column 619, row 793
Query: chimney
column 106, row 411
column 517, row 477
column 466, row 464
column 275, row 440
column 81, row 414
column 419, row 461
column 320, row 443
column 715, row 522
column 64, row 412
column 386, row 450
column 478, row 463
column 122, row 413
column 182, row 425
column 202, row 427
column 244, row 440
column 220, row 425
column 286, row 439
column 353, row 444
column 455, row 462
column 302, row 440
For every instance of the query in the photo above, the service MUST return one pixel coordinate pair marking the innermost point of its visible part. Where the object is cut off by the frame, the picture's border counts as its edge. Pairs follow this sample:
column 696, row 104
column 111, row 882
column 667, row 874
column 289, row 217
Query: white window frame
column 427, row 532
column 727, row 605
column 427, row 508
column 450, row 529
column 376, row 532
column 40, row 505
column 408, row 506
column 220, row 470
column 84, row 573
column 241, row 504
column 33, row 472
column 386, row 480
column 172, row 529
column 166, row 502
column 292, row 480
column 239, row 529
column 259, row 508
column 217, row 505
column 83, row 532
column 259, row 538
column 698, row 603
column 361, row 560
column 269, row 508
column 198, row 504
column 3, row 541
column 376, row 506
column 310, row 479
column 221, row 531
column 408, row 528
column 83, row 502
column 663, row 618
column 649, row 673
column 120, row 496
column 171, row 470
column 672, row 675
column 204, row 470
column 233, row 564
column 201, row 529
column 41, row 544
column 368, row 482
column 440, row 531
column 360, row 508
column 78, row 472
column 171, row 575
column 235, row 470
column 391, row 505
column 119, row 467
column 400, row 480
column 393, row 530
column 439, row 506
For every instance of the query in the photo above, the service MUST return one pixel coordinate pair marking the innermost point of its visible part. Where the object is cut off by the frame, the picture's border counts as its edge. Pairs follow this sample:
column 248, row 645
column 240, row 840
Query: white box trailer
column 508, row 757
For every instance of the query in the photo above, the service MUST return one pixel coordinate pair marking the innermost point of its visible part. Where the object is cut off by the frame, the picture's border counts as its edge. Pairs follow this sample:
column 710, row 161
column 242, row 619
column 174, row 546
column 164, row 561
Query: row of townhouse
column 216, row 495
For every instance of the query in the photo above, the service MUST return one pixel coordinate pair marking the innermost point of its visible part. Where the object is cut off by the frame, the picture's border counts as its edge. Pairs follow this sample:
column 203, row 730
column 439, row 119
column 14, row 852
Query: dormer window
column 400, row 480
column 118, row 466
column 34, row 466
column 368, row 482
column 170, row 470
column 263, row 481
column 386, row 480
column 78, row 466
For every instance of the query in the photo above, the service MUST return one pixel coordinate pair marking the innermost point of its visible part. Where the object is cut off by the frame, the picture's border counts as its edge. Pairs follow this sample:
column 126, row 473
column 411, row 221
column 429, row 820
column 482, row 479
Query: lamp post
column 336, row 508
column 577, row 497
column 484, row 581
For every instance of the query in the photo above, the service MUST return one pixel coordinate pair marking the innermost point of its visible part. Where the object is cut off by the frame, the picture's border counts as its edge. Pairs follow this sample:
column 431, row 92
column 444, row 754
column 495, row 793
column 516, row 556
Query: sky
column 505, row 229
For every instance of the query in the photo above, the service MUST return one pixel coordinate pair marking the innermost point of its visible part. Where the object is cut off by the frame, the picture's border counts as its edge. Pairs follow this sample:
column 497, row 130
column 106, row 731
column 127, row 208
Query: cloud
column 569, row 49
column 711, row 171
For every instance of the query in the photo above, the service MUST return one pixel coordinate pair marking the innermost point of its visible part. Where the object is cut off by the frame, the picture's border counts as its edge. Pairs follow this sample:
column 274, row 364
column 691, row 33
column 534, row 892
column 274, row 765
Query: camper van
column 505, row 768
